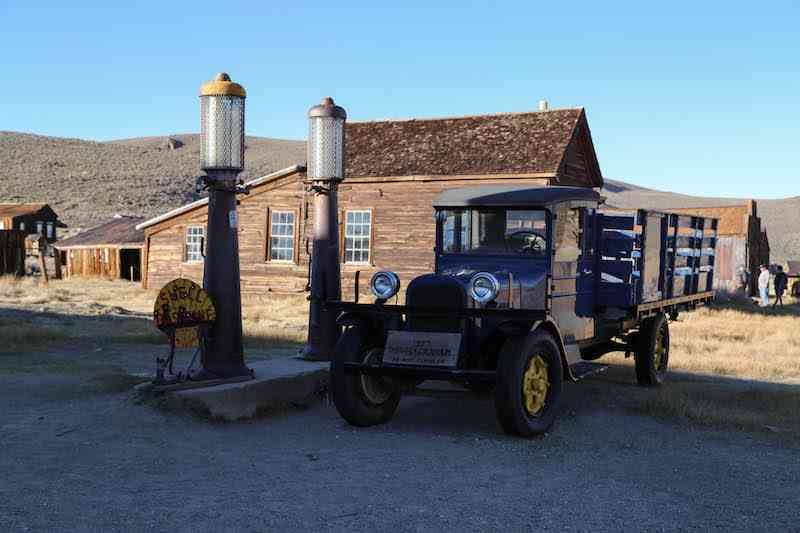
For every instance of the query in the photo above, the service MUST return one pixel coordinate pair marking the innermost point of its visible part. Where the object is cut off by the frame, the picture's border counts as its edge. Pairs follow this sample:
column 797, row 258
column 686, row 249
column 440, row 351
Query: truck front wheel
column 529, row 379
column 362, row 400
column 652, row 351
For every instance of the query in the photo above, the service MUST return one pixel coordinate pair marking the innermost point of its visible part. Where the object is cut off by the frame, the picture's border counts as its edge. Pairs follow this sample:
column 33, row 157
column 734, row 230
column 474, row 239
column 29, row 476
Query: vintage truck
column 531, row 284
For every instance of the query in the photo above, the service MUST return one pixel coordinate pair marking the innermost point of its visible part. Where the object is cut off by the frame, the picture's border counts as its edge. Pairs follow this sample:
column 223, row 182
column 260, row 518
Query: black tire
column 515, row 357
column 361, row 400
column 652, row 354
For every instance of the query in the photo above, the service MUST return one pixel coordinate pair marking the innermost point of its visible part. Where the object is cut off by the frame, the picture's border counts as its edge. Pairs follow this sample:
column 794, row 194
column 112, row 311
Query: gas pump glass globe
column 222, row 124
column 326, row 142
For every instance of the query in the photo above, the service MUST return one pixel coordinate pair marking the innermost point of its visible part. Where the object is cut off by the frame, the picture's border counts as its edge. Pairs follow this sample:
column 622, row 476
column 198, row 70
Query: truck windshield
column 494, row 231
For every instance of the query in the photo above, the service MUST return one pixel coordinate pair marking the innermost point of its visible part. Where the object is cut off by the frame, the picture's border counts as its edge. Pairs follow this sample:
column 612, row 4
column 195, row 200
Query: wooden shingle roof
column 115, row 232
column 510, row 143
column 15, row 210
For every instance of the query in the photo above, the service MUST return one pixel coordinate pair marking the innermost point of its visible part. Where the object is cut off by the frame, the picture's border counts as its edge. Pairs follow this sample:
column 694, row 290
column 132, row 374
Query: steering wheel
column 536, row 245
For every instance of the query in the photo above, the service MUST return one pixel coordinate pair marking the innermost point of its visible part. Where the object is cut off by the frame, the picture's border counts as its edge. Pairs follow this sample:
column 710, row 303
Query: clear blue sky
column 695, row 97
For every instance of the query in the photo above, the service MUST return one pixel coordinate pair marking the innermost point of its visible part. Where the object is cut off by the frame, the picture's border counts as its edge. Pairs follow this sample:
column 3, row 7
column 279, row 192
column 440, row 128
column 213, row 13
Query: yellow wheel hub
column 660, row 349
column 535, row 385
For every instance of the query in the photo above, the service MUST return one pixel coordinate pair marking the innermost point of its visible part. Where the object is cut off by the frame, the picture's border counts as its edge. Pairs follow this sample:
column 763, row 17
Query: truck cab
column 530, row 284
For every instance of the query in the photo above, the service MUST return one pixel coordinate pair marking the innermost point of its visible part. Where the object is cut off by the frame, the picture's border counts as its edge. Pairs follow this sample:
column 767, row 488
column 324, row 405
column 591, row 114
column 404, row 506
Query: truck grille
column 432, row 290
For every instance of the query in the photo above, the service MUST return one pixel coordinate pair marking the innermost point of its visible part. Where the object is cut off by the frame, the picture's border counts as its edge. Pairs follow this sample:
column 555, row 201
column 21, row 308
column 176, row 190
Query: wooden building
column 32, row 219
column 741, row 243
column 112, row 250
column 394, row 170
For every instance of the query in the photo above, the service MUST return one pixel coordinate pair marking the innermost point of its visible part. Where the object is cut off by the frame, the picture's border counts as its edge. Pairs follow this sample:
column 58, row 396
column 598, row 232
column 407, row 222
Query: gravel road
column 77, row 457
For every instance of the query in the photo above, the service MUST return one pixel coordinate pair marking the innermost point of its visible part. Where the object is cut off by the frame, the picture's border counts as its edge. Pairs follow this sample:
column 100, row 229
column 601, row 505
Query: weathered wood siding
column 402, row 232
column 96, row 262
column 12, row 252
column 164, row 256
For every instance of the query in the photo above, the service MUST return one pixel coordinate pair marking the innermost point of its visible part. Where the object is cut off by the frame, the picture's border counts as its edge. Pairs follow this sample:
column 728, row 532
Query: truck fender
column 550, row 327
column 373, row 326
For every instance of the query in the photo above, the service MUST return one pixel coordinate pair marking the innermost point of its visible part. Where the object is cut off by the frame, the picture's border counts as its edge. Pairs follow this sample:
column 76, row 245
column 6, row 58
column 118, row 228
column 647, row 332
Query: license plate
column 422, row 348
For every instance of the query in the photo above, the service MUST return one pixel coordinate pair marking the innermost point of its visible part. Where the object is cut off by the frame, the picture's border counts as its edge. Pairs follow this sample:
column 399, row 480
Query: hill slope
column 88, row 182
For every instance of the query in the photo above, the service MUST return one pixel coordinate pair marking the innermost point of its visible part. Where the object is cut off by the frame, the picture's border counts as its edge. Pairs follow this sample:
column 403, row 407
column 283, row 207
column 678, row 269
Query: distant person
column 763, row 285
column 780, row 282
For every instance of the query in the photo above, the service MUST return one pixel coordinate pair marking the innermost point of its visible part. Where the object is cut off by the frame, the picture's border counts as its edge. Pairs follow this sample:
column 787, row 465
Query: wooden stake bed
column 662, row 305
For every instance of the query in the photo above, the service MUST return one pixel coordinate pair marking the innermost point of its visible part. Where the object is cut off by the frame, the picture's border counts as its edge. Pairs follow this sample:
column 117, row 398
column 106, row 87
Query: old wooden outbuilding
column 741, row 243
column 31, row 219
column 394, row 170
column 112, row 250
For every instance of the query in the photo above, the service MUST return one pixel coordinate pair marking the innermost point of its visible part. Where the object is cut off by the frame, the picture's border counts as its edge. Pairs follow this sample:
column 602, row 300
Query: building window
column 357, row 235
column 194, row 244
column 22, row 226
column 39, row 228
column 51, row 231
column 281, row 236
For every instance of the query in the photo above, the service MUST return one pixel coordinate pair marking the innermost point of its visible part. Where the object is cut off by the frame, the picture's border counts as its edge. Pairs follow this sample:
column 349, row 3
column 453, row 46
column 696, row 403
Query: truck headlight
column 384, row 284
column 483, row 287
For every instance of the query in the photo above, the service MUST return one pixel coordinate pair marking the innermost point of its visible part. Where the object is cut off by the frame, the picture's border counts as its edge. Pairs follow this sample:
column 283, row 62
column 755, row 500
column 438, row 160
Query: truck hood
column 526, row 277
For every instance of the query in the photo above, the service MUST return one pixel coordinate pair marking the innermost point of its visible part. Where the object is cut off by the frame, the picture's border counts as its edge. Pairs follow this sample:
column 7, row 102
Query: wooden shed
column 31, row 219
column 741, row 243
column 112, row 250
column 394, row 170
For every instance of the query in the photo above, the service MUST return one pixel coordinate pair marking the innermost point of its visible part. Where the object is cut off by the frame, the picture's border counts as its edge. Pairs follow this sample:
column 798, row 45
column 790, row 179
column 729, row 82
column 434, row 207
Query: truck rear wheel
column 529, row 380
column 652, row 351
column 361, row 400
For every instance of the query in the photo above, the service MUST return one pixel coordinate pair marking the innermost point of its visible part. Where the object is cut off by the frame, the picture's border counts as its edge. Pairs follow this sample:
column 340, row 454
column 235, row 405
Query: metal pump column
column 222, row 155
column 325, row 169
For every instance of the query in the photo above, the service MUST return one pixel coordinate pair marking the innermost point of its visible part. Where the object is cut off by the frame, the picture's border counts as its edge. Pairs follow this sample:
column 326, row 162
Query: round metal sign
column 181, row 307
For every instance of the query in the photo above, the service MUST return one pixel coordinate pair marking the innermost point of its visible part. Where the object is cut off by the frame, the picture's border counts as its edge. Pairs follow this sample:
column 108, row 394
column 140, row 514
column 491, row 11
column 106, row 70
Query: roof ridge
column 463, row 117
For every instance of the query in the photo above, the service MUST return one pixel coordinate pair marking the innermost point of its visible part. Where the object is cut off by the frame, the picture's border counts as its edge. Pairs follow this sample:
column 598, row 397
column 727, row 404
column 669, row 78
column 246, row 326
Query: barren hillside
column 87, row 182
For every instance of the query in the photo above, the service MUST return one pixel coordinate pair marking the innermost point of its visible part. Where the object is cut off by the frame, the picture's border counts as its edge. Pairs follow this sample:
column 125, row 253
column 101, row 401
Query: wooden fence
column 12, row 252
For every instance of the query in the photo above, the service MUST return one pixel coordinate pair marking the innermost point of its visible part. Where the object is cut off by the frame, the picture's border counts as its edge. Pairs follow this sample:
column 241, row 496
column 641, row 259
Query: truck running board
column 585, row 369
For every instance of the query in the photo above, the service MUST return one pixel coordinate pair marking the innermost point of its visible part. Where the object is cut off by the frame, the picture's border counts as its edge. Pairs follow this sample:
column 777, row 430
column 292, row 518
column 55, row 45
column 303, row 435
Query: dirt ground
column 715, row 448
column 82, row 453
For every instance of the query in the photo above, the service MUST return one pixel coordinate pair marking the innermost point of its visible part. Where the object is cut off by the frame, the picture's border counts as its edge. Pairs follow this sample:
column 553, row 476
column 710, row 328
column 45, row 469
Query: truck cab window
column 494, row 232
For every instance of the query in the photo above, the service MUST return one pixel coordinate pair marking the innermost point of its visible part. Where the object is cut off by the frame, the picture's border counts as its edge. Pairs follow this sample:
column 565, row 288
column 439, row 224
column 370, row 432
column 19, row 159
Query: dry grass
column 34, row 315
column 733, row 365
column 737, row 340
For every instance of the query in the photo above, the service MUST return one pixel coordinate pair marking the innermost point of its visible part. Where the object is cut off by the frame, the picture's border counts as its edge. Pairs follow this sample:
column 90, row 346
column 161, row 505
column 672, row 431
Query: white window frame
column 193, row 244
column 22, row 225
column 282, row 225
column 357, row 233
column 51, row 230
column 39, row 227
